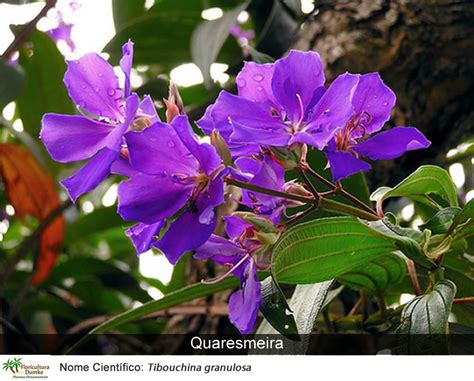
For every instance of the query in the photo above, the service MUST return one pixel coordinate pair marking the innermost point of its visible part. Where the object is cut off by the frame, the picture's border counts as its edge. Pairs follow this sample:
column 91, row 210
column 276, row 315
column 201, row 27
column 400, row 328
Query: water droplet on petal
column 171, row 144
column 83, row 87
column 101, row 74
column 111, row 91
column 97, row 89
column 326, row 111
column 241, row 82
column 258, row 77
column 385, row 103
column 259, row 88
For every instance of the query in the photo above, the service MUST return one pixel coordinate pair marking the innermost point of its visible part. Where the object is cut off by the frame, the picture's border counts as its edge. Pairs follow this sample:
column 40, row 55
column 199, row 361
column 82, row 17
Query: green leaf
column 44, row 90
column 377, row 275
column 259, row 57
column 428, row 314
column 323, row 249
column 12, row 82
column 441, row 221
column 98, row 221
column 165, row 28
column 306, row 303
column 186, row 294
column 426, row 180
column 125, row 10
column 464, row 219
column 276, row 311
column 208, row 39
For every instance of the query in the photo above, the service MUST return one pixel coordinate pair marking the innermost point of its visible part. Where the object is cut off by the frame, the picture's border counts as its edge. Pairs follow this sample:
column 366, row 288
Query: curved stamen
column 227, row 273
column 300, row 120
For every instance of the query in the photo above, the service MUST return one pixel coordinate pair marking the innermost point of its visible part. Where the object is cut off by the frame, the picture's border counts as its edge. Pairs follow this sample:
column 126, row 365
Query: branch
column 27, row 29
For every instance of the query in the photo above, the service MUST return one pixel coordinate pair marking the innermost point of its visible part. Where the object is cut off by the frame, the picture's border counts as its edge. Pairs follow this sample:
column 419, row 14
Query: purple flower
column 266, row 173
column 372, row 104
column 93, row 86
column 240, row 252
column 281, row 104
column 174, row 187
column 63, row 33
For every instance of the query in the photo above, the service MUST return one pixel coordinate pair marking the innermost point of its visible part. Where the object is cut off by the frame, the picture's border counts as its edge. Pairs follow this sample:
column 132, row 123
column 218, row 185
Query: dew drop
column 326, row 111
column 385, row 103
column 101, row 74
column 97, row 89
column 111, row 91
column 259, row 88
column 241, row 82
column 83, row 87
column 171, row 144
column 258, row 77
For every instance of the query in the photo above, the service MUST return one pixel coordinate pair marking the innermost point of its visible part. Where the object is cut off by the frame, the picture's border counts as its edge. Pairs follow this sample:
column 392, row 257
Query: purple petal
column 209, row 200
column 244, row 303
column 235, row 226
column 122, row 167
column 148, row 108
column 92, row 84
column 158, row 149
column 392, row 143
column 205, row 153
column 333, row 110
column 270, row 175
column 230, row 111
column 297, row 75
column 72, row 137
column 185, row 233
column 91, row 174
column 254, row 82
column 375, row 98
column 143, row 236
column 343, row 164
column 114, row 141
column 150, row 199
column 126, row 64
column 220, row 250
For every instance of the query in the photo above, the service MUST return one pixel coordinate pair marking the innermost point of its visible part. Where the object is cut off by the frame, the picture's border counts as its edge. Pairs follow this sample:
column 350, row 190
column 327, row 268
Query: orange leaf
column 32, row 191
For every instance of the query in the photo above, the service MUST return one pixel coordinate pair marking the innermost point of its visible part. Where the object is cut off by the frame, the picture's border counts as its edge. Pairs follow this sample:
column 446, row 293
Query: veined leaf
column 323, row 249
column 441, row 221
column 419, row 185
column 428, row 314
column 377, row 275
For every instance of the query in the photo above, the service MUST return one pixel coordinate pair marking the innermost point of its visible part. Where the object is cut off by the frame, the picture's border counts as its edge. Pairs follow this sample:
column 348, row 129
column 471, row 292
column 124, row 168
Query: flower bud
column 174, row 103
column 221, row 147
column 262, row 224
column 291, row 157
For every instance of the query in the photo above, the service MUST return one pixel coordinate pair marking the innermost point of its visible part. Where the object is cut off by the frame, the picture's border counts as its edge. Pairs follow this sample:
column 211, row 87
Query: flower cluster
column 176, row 182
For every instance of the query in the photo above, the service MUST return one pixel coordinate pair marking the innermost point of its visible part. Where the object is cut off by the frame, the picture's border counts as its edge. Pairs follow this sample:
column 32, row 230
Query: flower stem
column 271, row 192
column 323, row 204
column 340, row 190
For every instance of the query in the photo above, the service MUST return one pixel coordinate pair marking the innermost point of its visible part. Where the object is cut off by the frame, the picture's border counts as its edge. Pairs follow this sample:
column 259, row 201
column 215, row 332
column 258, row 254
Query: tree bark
column 423, row 51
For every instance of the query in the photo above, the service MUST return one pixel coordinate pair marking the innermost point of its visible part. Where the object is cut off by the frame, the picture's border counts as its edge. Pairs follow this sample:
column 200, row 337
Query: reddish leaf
column 32, row 192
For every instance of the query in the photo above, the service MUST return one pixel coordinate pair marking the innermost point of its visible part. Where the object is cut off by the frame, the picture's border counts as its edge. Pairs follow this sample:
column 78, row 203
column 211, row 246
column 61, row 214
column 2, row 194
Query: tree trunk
column 423, row 51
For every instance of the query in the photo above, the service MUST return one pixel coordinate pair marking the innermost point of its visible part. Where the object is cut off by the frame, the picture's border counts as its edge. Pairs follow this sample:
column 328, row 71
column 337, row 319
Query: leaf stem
column 413, row 277
column 469, row 299
column 27, row 30
column 306, row 168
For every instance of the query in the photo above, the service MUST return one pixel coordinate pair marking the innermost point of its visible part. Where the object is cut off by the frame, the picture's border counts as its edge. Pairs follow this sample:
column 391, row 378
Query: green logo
column 12, row 365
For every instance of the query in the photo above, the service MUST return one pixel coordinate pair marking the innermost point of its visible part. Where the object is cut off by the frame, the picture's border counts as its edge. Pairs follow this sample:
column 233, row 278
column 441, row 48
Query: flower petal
column 185, row 233
column 220, row 250
column 254, row 82
column 333, row 109
column 392, row 143
column 244, row 303
column 375, row 98
column 93, row 85
column 72, row 137
column 91, row 174
column 205, row 153
column 209, row 200
column 126, row 64
column 297, row 75
column 158, row 149
column 343, row 164
column 235, row 226
column 142, row 235
column 148, row 108
column 150, row 199
column 114, row 141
